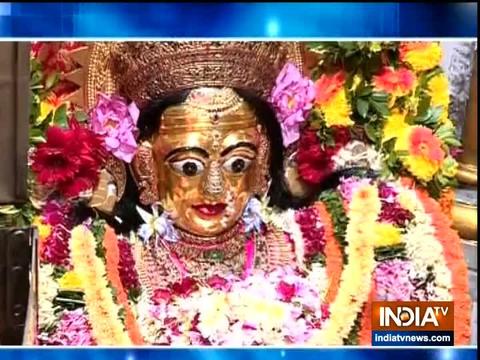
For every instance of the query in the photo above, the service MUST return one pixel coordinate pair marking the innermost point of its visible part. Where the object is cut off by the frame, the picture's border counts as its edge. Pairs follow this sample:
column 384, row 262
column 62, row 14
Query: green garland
column 334, row 203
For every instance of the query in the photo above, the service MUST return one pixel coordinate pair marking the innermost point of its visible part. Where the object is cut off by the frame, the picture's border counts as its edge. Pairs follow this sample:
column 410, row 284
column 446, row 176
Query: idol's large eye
column 237, row 164
column 188, row 167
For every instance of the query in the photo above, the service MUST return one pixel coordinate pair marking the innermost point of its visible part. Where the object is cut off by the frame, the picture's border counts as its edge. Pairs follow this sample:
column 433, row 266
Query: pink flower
column 292, row 98
column 72, row 330
column 392, row 280
column 185, row 287
column 286, row 291
column 312, row 231
column 55, row 213
column 218, row 283
column 161, row 296
column 348, row 186
column 116, row 122
column 55, row 249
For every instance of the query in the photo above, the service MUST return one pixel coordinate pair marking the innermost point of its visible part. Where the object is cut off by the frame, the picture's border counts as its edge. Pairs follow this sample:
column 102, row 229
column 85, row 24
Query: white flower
column 159, row 225
column 357, row 153
column 48, row 289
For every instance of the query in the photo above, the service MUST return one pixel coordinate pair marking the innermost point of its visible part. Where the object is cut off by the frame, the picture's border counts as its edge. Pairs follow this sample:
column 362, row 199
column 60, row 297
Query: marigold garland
column 446, row 202
column 333, row 253
column 363, row 212
column 365, row 333
column 112, row 257
column 107, row 328
column 453, row 253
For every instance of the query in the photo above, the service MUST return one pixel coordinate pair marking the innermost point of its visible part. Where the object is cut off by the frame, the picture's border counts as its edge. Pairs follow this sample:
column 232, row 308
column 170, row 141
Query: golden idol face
column 208, row 170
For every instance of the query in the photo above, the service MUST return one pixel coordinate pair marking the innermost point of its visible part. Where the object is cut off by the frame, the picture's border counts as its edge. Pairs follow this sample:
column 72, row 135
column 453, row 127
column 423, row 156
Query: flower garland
column 333, row 253
column 363, row 212
column 107, row 328
column 453, row 253
column 112, row 257
column 423, row 247
column 48, row 289
column 334, row 204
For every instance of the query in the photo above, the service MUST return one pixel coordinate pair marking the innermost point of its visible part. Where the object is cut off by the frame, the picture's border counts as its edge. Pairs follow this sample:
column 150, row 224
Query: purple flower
column 392, row 280
column 387, row 193
column 117, row 122
column 55, row 213
column 292, row 98
column 393, row 213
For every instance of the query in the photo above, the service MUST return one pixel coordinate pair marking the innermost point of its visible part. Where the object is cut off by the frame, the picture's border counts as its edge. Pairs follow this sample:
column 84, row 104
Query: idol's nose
column 214, row 183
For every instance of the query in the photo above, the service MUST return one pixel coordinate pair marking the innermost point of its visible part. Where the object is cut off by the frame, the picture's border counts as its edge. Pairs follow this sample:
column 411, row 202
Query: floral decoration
column 292, row 98
column 116, row 121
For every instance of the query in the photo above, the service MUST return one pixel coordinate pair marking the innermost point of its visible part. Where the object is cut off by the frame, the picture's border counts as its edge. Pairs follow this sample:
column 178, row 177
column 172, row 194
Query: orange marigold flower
column 327, row 86
column 397, row 82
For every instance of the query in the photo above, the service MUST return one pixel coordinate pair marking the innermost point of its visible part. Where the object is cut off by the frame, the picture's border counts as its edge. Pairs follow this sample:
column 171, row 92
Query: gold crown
column 143, row 71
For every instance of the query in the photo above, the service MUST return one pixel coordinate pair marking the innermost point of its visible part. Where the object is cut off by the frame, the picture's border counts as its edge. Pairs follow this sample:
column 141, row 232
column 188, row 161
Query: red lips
column 210, row 210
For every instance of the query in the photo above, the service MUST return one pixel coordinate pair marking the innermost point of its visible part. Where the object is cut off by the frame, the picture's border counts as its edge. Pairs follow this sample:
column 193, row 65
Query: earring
column 145, row 175
column 262, row 181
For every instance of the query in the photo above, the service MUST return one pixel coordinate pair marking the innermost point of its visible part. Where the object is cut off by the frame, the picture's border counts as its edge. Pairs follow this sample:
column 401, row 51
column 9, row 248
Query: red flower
column 327, row 86
column 126, row 266
column 185, row 287
column 398, row 82
column 286, row 291
column 69, row 160
column 315, row 159
column 312, row 231
column 55, row 249
column 161, row 296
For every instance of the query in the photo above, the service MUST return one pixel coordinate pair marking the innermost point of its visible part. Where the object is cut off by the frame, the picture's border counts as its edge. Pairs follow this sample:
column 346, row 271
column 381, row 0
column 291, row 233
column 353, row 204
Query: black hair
column 126, row 217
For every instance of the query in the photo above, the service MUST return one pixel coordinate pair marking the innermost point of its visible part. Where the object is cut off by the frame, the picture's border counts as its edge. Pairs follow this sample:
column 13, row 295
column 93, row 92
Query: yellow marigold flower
column 425, row 155
column 44, row 230
column 70, row 281
column 421, row 56
column 439, row 93
column 422, row 168
column 386, row 235
column 337, row 111
column 394, row 126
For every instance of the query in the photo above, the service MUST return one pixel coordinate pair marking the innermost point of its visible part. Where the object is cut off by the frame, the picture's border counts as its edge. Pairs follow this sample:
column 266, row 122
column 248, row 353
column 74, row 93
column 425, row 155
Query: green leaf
column 371, row 131
column 452, row 141
column 401, row 153
column 60, row 118
column 51, row 81
column 362, row 107
column 36, row 135
column 9, row 210
column 389, row 145
column 364, row 91
column 81, row 116
column 381, row 97
column 380, row 108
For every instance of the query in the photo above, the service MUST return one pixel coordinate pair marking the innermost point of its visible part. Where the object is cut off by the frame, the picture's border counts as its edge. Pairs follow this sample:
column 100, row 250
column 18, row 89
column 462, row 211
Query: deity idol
column 211, row 237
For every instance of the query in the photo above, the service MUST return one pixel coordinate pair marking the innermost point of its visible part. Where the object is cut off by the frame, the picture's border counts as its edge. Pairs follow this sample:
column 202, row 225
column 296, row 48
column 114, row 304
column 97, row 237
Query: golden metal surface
column 467, row 173
column 465, row 220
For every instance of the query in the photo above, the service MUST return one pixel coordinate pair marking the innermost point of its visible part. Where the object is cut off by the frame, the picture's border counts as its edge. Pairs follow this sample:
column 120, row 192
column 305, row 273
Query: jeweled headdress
column 142, row 71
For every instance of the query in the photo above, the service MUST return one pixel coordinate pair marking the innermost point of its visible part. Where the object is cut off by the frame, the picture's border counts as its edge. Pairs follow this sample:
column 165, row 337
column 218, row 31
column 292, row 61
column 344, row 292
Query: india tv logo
column 412, row 323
